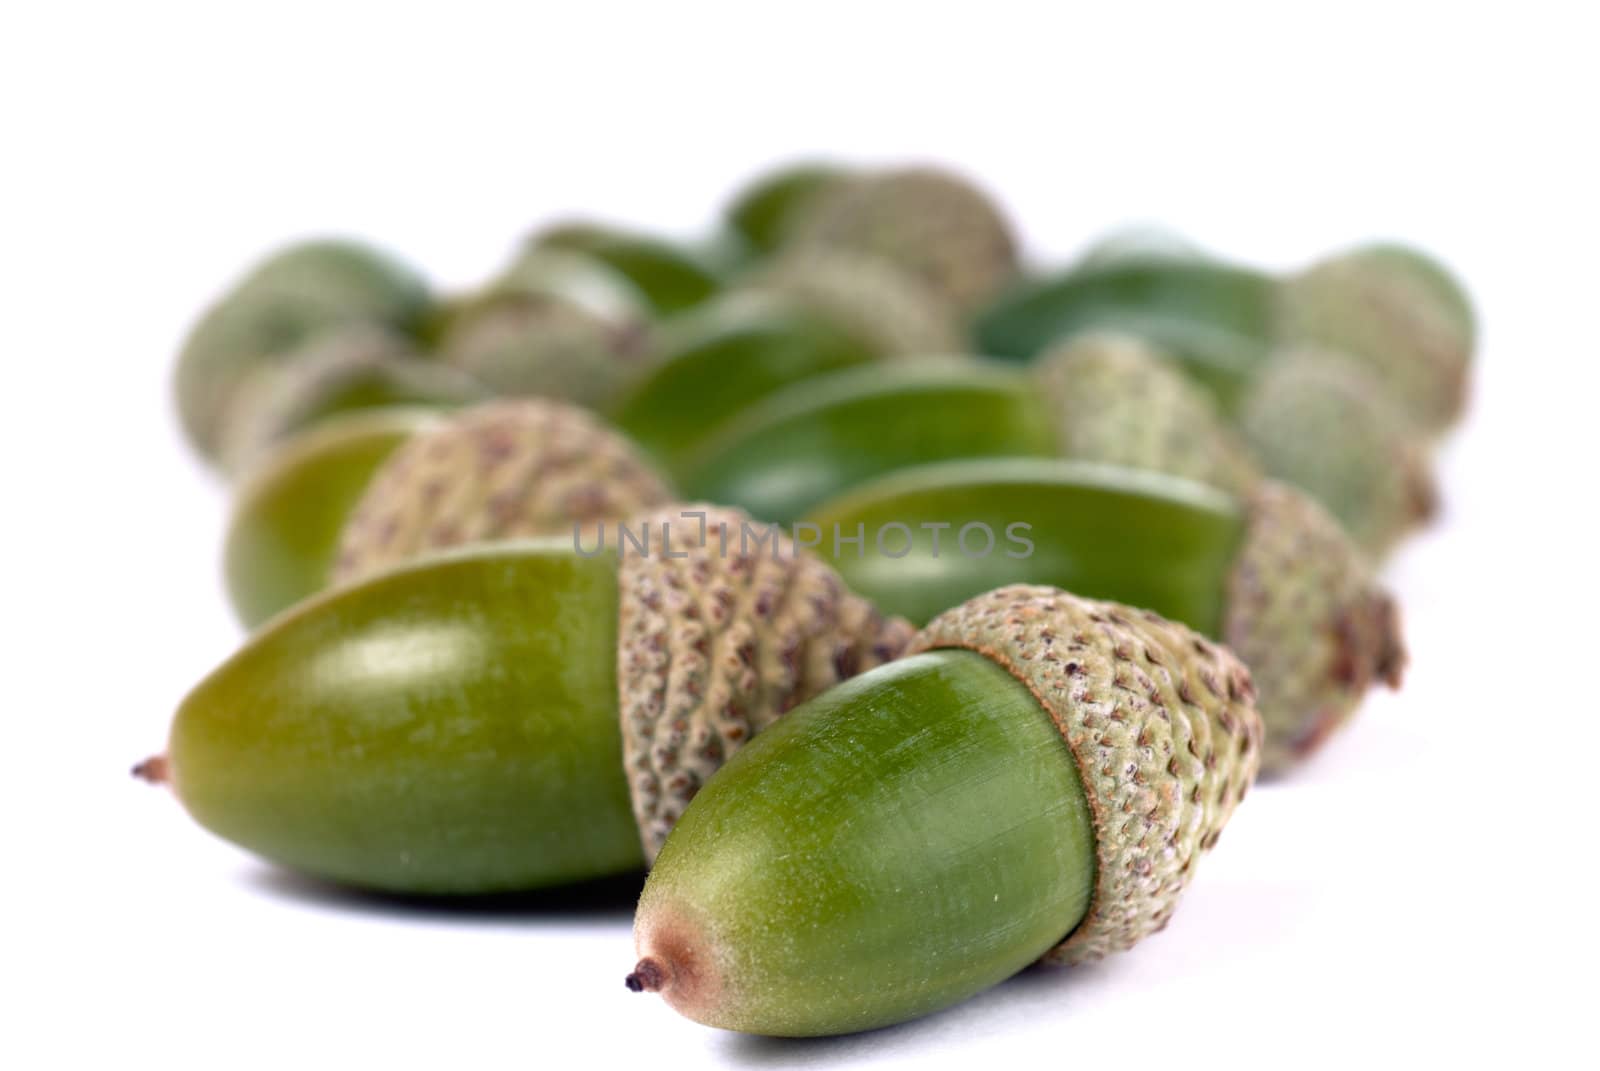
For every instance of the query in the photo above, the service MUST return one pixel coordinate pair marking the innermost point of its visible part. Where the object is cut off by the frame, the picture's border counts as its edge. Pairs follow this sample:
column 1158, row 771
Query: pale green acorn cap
column 1307, row 616
column 725, row 624
column 887, row 309
column 1161, row 725
column 1317, row 419
column 1116, row 399
column 503, row 470
column 930, row 222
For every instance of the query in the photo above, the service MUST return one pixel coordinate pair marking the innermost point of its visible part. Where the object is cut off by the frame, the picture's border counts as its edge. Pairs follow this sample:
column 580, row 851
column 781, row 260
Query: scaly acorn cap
column 1388, row 308
column 931, row 223
column 1307, row 617
column 356, row 366
column 725, row 624
column 889, row 310
column 1118, row 400
column 1160, row 722
column 502, row 470
column 1320, row 421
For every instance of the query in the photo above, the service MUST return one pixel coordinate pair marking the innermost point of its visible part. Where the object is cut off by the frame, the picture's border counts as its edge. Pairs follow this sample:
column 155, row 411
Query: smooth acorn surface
column 445, row 728
column 1218, row 319
column 816, row 438
column 1141, row 538
column 712, row 364
column 283, row 535
column 894, row 845
column 669, row 278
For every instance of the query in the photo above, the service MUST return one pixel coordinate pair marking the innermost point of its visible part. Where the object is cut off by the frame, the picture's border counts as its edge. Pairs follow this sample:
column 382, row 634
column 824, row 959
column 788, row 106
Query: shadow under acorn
column 600, row 900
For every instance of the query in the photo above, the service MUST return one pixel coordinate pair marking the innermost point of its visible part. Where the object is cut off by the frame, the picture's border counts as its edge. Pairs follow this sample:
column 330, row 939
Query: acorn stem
column 647, row 977
column 155, row 770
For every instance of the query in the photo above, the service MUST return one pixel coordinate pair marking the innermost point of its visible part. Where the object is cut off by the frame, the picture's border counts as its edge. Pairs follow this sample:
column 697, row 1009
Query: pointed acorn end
column 677, row 960
column 648, row 977
column 156, row 770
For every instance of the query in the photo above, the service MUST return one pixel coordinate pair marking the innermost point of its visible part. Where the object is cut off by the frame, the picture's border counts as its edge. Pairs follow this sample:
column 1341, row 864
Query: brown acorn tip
column 156, row 770
column 647, row 977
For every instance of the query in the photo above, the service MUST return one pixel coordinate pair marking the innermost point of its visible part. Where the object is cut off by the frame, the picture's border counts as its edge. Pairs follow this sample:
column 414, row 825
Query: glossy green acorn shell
column 289, row 511
column 1218, row 319
column 712, row 364
column 1140, row 538
column 445, row 728
column 816, row 438
column 894, row 845
column 764, row 213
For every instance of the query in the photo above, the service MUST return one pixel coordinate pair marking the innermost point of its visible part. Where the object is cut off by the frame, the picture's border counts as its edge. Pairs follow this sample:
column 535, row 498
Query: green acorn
column 1139, row 243
column 557, row 324
column 1319, row 421
column 1039, row 784
column 891, row 311
column 1401, row 314
column 343, row 369
column 495, row 718
column 708, row 365
column 1119, row 400
column 669, row 278
column 764, row 213
column 1219, row 320
column 504, row 470
column 285, row 301
column 1269, row 573
column 933, row 224
column 1104, row 398
column 289, row 511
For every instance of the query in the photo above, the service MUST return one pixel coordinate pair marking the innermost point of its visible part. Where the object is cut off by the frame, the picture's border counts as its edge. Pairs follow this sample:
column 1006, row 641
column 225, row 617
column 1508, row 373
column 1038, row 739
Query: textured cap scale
column 1307, row 616
column 503, row 470
column 725, row 624
column 1160, row 722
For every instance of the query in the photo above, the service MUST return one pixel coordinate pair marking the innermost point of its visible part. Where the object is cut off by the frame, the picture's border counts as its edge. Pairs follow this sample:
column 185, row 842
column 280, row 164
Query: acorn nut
column 1036, row 780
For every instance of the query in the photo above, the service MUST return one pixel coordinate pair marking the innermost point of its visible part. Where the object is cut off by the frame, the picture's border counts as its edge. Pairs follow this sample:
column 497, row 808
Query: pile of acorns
column 528, row 566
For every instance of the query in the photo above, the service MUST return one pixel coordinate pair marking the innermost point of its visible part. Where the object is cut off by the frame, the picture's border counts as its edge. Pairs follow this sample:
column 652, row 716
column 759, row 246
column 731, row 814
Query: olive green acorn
column 893, row 312
column 669, row 278
column 1117, row 399
column 1322, row 423
column 291, row 508
column 557, row 324
column 1397, row 311
column 1036, row 780
column 1219, row 320
column 503, row 470
column 1270, row 572
column 285, row 301
column 710, row 364
column 932, row 223
column 492, row 719
column 357, row 366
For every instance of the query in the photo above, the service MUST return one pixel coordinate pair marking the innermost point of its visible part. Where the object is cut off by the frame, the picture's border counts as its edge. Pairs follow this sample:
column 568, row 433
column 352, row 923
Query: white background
column 1423, row 890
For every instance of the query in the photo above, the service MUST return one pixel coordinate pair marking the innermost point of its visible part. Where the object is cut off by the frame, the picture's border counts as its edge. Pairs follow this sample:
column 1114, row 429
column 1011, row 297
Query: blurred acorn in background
column 294, row 295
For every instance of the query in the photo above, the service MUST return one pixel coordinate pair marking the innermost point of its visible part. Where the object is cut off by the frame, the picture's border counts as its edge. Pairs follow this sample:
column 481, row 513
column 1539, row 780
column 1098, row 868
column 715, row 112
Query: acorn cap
column 1117, row 399
column 503, row 470
column 1387, row 309
column 1319, row 420
column 930, row 222
column 1160, row 722
column 1307, row 616
column 889, row 310
column 725, row 624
